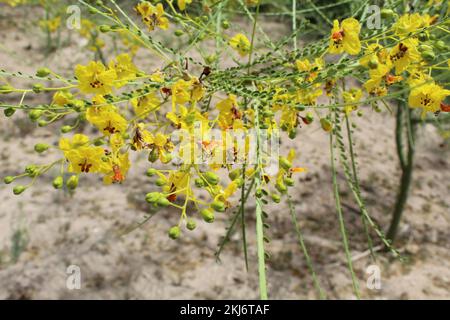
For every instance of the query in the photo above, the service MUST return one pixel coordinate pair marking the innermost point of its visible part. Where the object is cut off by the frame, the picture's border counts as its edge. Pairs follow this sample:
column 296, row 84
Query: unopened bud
column 218, row 206
column 207, row 215
column 174, row 232
column 72, row 183
column 19, row 189
column 41, row 147
column 43, row 72
column 58, row 182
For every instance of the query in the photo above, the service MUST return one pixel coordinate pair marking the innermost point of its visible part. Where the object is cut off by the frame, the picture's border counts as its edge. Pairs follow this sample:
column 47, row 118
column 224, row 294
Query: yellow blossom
column 95, row 78
column 152, row 16
column 428, row 96
column 124, row 68
column 241, row 44
column 345, row 37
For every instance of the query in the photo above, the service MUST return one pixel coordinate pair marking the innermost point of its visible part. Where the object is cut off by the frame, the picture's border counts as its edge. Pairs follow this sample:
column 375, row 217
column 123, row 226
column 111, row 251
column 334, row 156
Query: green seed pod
column 104, row 28
column 8, row 179
column 160, row 182
column 9, row 112
column 211, row 177
column 72, row 183
column 425, row 47
column 34, row 115
column 289, row 182
column 37, row 88
column 207, row 215
column 285, row 163
column 191, row 225
column 174, row 233
column 66, row 129
column 199, row 183
column 58, row 182
column 152, row 197
column 179, row 32
column 276, row 197
column 150, row 172
column 218, row 206
column 326, row 124
column 163, row 202
column 41, row 147
column 18, row 190
column 43, row 72
column 300, row 107
column 428, row 55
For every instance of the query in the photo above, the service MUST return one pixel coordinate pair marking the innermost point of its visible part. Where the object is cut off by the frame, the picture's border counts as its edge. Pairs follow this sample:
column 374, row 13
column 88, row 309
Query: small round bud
column 225, row 24
column 19, row 189
column 8, row 112
column 211, row 59
column 212, row 178
column 387, row 13
column 218, row 206
column 292, row 133
column 289, row 181
column 99, row 142
column 153, row 155
column 424, row 36
column 72, row 183
column 34, row 115
column 38, row 87
column 428, row 55
column 163, row 202
column 161, row 182
column 41, row 147
column 199, row 183
column 285, row 163
column 66, row 129
column 43, row 72
column 281, row 187
column 104, row 28
column 207, row 215
column 276, row 197
column 152, row 197
column 233, row 175
column 150, row 172
column 8, row 179
column 326, row 124
column 174, row 232
column 373, row 63
column 179, row 32
column 191, row 225
column 58, row 182
column 440, row 45
column 5, row 89
column 258, row 193
column 309, row 117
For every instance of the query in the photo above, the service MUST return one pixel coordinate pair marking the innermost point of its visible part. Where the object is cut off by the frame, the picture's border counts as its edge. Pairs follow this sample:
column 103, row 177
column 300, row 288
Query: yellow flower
column 86, row 159
column 229, row 113
column 144, row 105
column 77, row 141
column 407, row 23
column 125, row 69
column 61, row 98
column 51, row 25
column 95, row 78
column 351, row 98
column 345, row 37
column 241, row 44
column 306, row 66
column 428, row 96
column 143, row 139
column 309, row 96
column 374, row 54
column 152, row 16
column 105, row 117
column 182, row 4
column 403, row 54
column 117, row 168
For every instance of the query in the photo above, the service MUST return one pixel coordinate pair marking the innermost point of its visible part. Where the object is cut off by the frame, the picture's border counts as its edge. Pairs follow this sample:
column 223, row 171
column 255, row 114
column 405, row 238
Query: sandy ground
column 48, row 230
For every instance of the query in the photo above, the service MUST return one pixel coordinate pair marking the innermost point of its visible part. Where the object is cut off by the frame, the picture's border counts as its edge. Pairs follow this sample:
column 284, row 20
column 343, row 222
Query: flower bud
column 207, row 215
column 104, row 28
column 41, row 147
column 292, row 134
column 191, row 225
column 373, row 63
column 428, row 55
column 199, row 183
column 423, row 36
column 72, row 183
column 309, row 117
column 387, row 13
column 43, row 72
column 5, row 89
column 239, row 182
column 289, row 181
column 8, row 179
column 153, row 156
column 225, row 24
column 285, row 163
column 19, row 189
column 233, row 175
column 150, row 172
column 326, row 124
column 174, row 232
column 31, row 170
column 160, row 182
column 218, row 206
column 163, row 202
column 258, row 193
column 9, row 112
column 440, row 45
column 276, row 197
column 212, row 178
column 178, row 32
column 34, row 115
column 38, row 87
column 280, row 186
column 66, row 129
column 152, row 197
column 58, row 182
